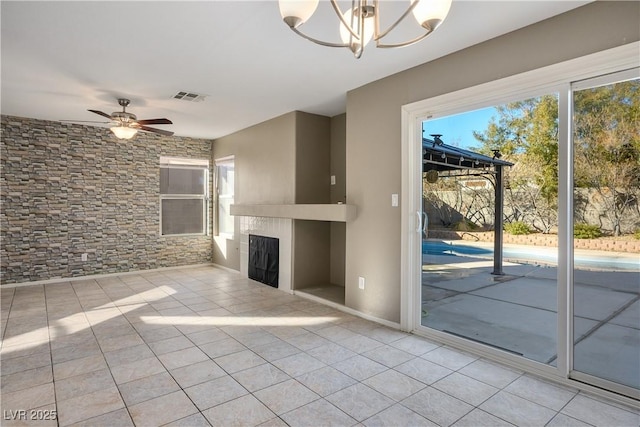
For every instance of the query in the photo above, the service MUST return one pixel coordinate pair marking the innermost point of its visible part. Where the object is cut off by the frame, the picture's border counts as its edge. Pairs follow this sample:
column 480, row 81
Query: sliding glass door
column 480, row 281
column 606, row 229
column 526, row 242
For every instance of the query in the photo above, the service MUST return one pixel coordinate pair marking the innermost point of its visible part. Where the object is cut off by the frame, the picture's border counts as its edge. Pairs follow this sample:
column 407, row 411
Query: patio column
column 497, row 238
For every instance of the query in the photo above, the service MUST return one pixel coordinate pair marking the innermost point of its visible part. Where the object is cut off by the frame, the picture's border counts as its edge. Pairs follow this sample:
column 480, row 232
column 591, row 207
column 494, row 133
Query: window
column 184, row 196
column 224, row 190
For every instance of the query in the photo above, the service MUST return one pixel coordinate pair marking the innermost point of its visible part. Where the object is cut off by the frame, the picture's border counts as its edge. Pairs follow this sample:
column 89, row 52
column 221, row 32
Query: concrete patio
column 517, row 312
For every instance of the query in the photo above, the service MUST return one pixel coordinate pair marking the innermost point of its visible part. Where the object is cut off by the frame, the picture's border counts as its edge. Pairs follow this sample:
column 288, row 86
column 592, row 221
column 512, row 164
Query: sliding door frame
column 610, row 78
column 554, row 78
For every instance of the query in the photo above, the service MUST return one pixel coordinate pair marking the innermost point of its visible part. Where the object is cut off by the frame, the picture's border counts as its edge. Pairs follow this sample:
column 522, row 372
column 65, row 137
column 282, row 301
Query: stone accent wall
column 68, row 189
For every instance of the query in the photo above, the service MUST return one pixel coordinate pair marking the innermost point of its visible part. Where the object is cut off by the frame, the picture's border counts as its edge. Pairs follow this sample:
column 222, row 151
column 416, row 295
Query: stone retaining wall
column 68, row 189
column 551, row 240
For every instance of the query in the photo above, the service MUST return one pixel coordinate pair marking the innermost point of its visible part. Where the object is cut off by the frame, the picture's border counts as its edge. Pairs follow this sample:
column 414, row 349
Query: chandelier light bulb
column 297, row 12
column 431, row 13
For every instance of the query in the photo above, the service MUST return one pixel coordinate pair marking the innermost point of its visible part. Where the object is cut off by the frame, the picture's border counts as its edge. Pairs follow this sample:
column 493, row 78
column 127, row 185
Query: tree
column 526, row 133
column 606, row 160
column 607, row 150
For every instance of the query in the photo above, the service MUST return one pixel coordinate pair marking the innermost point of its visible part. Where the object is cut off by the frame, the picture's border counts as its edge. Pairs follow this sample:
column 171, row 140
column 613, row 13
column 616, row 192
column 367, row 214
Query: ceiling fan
column 125, row 125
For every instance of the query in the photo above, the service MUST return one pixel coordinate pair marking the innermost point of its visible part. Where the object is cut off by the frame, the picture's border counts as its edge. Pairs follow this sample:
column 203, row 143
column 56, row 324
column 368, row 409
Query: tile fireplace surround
column 279, row 228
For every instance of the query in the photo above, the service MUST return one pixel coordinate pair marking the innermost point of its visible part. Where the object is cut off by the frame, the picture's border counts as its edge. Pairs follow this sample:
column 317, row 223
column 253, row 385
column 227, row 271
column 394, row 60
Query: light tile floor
column 203, row 346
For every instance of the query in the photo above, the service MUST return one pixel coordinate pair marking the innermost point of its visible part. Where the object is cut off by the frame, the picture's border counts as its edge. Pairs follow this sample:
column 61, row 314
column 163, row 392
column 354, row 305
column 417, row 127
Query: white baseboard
column 222, row 267
column 348, row 310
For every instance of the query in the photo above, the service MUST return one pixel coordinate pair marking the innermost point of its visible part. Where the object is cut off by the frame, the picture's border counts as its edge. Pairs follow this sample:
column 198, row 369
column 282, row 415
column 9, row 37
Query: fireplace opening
column 263, row 259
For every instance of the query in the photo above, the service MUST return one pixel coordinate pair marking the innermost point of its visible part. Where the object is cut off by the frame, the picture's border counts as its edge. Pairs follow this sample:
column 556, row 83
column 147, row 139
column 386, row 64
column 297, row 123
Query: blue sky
column 457, row 130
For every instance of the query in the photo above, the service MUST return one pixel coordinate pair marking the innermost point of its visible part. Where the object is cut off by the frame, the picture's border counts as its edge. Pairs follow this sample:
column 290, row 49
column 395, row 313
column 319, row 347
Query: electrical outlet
column 361, row 282
column 394, row 200
column 84, row 256
column 333, row 180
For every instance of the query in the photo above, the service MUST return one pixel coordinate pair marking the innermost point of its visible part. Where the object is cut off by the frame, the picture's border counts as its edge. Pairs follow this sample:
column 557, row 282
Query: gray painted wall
column 313, row 147
column 311, row 239
column 373, row 130
column 264, row 173
column 339, row 157
column 338, row 194
column 69, row 189
column 288, row 159
column 264, row 161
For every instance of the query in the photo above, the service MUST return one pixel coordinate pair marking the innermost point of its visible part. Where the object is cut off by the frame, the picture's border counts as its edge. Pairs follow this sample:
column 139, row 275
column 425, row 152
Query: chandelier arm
column 320, row 42
column 407, row 43
column 336, row 8
column 379, row 36
column 361, row 38
column 376, row 20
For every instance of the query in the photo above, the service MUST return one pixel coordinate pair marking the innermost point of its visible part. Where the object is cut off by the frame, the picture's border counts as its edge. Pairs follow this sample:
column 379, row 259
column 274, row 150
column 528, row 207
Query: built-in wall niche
column 315, row 261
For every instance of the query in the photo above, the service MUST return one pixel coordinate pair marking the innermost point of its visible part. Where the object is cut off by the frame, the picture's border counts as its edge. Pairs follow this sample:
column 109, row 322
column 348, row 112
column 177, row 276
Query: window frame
column 228, row 160
column 187, row 163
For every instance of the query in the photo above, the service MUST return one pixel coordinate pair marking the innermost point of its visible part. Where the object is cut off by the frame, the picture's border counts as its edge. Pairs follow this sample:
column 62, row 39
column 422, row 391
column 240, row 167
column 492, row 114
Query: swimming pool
column 536, row 254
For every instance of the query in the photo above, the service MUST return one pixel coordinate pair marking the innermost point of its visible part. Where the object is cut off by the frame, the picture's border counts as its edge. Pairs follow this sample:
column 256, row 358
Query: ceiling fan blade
column 84, row 121
column 155, row 122
column 154, row 130
column 100, row 113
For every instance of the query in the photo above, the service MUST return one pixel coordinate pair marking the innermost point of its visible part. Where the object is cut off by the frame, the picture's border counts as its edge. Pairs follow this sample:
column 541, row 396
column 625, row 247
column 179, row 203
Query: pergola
column 439, row 158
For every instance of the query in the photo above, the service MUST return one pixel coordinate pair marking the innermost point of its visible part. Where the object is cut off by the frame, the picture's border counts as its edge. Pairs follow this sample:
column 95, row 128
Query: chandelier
column 361, row 23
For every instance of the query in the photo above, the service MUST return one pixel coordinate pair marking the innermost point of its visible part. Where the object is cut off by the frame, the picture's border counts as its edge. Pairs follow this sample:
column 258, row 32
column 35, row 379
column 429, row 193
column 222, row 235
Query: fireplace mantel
column 313, row 212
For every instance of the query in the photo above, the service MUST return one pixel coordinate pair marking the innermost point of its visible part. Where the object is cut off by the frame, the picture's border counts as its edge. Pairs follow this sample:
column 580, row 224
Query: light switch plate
column 333, row 180
column 361, row 282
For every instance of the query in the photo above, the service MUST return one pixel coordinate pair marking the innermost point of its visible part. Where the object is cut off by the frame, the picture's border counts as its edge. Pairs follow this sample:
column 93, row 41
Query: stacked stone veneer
column 68, row 189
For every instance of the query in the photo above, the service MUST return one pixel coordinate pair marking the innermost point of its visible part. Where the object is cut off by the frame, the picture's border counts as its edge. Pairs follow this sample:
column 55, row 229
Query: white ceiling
column 61, row 58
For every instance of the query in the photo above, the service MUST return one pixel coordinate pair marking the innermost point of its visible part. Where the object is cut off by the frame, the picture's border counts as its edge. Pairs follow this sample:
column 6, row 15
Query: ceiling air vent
column 189, row 96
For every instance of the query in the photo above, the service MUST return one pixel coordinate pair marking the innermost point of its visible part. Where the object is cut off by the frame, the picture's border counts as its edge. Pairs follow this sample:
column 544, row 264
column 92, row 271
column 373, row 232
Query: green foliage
column 517, row 228
column 606, row 159
column 527, row 131
column 586, row 231
column 607, row 147
column 636, row 234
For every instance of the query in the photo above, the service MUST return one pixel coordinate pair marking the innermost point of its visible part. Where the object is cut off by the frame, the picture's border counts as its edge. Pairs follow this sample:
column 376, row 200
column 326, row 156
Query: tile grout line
column 195, row 285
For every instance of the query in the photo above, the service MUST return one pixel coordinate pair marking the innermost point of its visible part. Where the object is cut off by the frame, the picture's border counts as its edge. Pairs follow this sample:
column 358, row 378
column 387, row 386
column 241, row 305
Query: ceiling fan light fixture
column 125, row 125
column 124, row 132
